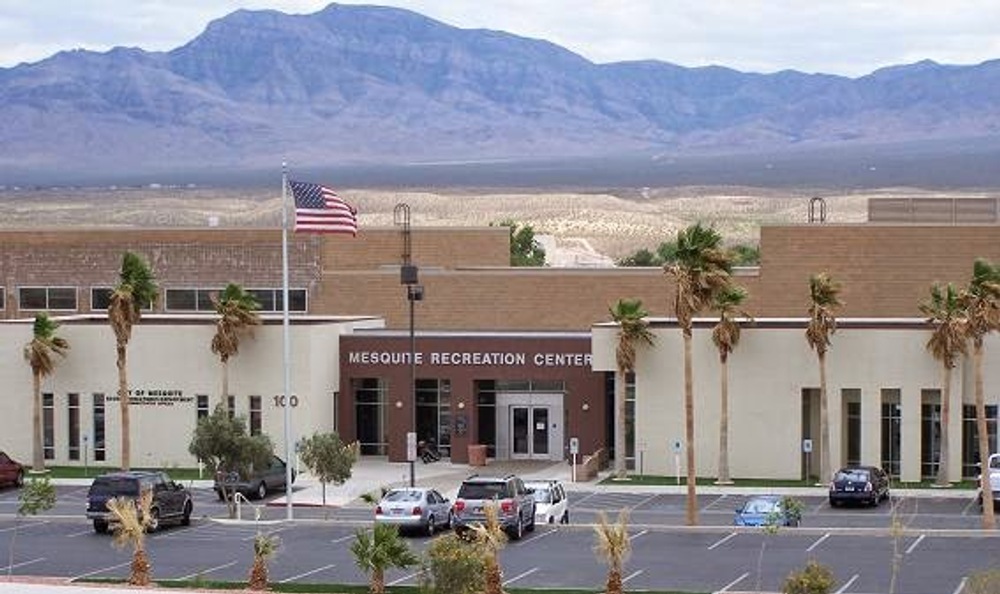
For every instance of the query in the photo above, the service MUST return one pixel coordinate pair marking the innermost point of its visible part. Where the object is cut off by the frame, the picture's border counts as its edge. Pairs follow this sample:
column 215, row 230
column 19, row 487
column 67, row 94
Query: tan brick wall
column 444, row 247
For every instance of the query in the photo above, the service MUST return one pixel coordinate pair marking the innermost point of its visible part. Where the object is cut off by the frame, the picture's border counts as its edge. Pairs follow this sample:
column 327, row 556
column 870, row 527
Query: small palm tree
column 136, row 289
column 726, row 335
column 38, row 353
column 701, row 269
column 947, row 317
column 981, row 300
column 132, row 519
column 824, row 299
column 491, row 538
column 379, row 550
column 613, row 547
column 633, row 331
column 237, row 311
column 264, row 547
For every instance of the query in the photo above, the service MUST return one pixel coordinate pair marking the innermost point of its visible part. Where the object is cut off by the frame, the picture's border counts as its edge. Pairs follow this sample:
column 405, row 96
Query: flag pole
column 286, row 342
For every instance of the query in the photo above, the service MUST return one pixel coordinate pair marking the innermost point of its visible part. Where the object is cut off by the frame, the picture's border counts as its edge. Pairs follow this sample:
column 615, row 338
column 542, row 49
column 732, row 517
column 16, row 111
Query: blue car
column 766, row 510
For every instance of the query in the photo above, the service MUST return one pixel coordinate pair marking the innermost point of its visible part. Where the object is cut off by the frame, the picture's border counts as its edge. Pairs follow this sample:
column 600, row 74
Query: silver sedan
column 417, row 508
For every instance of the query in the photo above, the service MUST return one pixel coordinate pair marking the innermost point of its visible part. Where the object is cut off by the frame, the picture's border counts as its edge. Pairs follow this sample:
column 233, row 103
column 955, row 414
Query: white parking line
column 638, row 534
column 81, row 533
column 584, row 498
column 910, row 548
column 724, row 539
column 538, row 535
column 405, row 578
column 204, row 571
column 307, row 574
column 961, row 586
column 733, row 583
column 520, row 575
column 22, row 564
column 631, row 575
column 97, row 571
column 968, row 506
column 818, row 542
column 847, row 584
column 24, row 526
column 717, row 500
column 646, row 500
column 342, row 539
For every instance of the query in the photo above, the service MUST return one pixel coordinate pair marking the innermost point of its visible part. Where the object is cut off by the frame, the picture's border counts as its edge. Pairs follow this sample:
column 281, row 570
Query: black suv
column 514, row 502
column 171, row 501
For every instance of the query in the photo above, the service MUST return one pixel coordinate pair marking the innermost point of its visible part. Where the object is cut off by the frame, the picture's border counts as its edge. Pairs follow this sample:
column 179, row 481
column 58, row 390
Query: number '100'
column 280, row 400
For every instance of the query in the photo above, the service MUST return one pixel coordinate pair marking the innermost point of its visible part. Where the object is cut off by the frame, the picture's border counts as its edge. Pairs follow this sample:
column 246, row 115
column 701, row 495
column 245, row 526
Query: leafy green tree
column 37, row 495
column 380, row 549
column 981, row 300
column 524, row 248
column 667, row 252
column 701, row 271
column 39, row 355
column 824, row 299
column 136, row 289
column 948, row 342
column 328, row 458
column 237, row 310
column 633, row 330
column 642, row 257
column 726, row 335
column 454, row 566
column 745, row 255
column 222, row 443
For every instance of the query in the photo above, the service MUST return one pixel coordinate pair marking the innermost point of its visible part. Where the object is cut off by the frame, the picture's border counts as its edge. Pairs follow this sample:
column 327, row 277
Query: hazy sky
column 849, row 37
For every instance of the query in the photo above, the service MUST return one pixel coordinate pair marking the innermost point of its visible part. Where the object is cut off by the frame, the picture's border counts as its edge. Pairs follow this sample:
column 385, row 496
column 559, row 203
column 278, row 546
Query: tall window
column 3, row 298
column 73, row 408
column 49, row 426
column 851, row 398
column 930, row 432
column 970, row 437
column 892, row 419
column 630, row 460
column 99, row 444
column 47, row 298
column 434, row 413
column 255, row 415
column 369, row 407
column 202, row 406
column 231, row 405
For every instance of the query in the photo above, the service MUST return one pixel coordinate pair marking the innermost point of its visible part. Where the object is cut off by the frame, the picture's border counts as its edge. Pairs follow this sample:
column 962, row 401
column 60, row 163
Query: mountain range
column 375, row 85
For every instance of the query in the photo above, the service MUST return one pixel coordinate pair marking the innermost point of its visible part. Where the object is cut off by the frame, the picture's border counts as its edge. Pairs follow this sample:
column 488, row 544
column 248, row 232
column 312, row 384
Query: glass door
column 540, row 432
column 520, row 445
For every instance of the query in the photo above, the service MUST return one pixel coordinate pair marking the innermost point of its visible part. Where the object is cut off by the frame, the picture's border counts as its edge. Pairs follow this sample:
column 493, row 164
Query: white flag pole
column 285, row 338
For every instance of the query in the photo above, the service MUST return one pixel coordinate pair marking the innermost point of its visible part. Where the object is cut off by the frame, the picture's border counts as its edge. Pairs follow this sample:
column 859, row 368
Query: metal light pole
column 408, row 277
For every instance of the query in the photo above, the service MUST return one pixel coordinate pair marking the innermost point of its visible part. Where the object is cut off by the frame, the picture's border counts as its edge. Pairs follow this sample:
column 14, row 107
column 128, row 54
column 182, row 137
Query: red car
column 11, row 472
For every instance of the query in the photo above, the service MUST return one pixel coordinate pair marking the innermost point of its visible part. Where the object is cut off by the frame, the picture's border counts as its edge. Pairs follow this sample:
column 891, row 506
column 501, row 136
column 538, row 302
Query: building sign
column 153, row 397
column 470, row 358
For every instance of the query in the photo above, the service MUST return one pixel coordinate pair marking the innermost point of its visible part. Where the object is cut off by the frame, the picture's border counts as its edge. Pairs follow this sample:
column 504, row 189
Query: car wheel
column 565, row 518
column 518, row 530
column 261, row 490
column 834, row 502
column 531, row 525
column 186, row 518
column 19, row 479
column 429, row 529
column 100, row 526
column 154, row 520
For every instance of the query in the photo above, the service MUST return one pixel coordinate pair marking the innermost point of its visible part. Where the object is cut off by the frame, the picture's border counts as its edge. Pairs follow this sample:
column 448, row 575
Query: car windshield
column 403, row 496
column 543, row 495
column 995, row 463
column 852, row 475
column 115, row 486
column 760, row 506
column 481, row 491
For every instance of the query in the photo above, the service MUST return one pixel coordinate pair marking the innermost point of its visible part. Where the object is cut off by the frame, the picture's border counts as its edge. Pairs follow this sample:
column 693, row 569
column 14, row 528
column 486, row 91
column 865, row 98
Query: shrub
column 814, row 579
column 983, row 582
column 456, row 566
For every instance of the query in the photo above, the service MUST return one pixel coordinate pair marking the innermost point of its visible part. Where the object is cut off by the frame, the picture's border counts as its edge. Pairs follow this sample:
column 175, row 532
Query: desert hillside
column 610, row 223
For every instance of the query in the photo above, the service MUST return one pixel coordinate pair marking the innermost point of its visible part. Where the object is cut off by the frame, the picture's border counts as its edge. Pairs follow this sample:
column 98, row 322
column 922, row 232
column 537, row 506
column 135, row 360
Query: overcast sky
column 849, row 37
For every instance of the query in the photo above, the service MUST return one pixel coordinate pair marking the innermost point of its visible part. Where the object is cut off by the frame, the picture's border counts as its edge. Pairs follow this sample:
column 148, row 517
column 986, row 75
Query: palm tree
column 38, row 353
column 633, row 330
column 726, row 335
column 947, row 317
column 132, row 519
column 824, row 298
column 490, row 537
column 264, row 547
column 613, row 546
column 237, row 311
column 701, row 270
column 981, row 300
column 136, row 289
column 378, row 550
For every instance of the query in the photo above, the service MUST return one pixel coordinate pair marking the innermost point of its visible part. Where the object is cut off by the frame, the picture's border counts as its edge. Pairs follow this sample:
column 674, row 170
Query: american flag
column 318, row 209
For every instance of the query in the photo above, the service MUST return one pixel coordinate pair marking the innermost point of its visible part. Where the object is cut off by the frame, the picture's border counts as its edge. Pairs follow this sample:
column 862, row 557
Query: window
column 255, row 415
column 47, row 298
column 73, row 408
column 190, row 299
column 231, row 405
column 49, row 426
column 100, row 299
column 970, row 437
column 851, row 397
column 930, row 432
column 271, row 299
column 892, row 420
column 3, row 298
column 434, row 413
column 369, row 399
column 202, row 406
column 99, row 444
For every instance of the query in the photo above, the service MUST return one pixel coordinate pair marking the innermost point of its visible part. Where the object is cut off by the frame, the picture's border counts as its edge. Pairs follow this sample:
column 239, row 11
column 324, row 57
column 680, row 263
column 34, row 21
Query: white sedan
column 551, row 502
column 417, row 508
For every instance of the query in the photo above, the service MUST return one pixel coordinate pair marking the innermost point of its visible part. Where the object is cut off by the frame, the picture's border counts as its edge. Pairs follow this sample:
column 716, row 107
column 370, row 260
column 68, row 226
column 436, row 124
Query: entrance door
column 529, row 431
